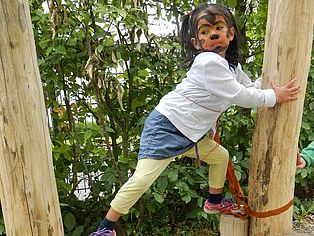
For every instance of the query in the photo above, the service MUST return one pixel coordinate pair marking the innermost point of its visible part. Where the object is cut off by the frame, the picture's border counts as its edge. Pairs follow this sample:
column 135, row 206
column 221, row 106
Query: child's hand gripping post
column 288, row 92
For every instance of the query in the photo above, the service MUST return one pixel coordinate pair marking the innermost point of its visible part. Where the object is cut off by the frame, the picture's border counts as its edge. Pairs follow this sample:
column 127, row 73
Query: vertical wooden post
column 28, row 191
column 232, row 226
column 273, row 156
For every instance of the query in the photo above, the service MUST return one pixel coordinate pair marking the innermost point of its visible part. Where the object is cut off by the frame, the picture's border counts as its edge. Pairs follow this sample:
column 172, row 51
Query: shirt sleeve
column 221, row 81
column 242, row 78
column 308, row 154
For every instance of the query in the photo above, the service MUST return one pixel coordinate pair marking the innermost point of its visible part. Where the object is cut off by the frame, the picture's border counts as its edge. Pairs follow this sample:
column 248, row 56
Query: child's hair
column 189, row 31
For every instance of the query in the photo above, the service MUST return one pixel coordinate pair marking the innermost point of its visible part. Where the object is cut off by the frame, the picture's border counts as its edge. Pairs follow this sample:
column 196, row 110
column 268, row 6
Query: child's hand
column 301, row 163
column 286, row 93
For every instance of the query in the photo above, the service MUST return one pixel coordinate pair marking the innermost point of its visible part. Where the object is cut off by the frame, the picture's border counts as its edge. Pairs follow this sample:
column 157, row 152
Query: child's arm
column 307, row 154
column 286, row 93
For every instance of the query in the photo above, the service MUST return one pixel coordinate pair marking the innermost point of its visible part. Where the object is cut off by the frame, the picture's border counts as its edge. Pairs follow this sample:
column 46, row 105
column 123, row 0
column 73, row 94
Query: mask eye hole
column 204, row 30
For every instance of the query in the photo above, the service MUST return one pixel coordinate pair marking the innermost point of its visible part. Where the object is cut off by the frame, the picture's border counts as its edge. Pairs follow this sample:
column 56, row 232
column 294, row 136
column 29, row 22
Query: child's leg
column 146, row 172
column 217, row 156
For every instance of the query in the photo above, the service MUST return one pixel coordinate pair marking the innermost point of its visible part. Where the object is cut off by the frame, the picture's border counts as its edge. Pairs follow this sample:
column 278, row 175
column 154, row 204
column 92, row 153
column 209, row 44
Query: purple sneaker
column 104, row 232
column 224, row 206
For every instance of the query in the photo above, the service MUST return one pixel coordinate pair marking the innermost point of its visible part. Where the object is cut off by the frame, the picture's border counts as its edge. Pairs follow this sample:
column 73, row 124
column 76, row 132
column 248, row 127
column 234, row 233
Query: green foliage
column 305, row 177
column 71, row 227
column 2, row 228
column 103, row 70
column 302, row 208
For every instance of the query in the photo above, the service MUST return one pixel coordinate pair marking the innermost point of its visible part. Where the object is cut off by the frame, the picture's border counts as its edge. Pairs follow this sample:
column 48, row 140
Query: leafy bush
column 103, row 71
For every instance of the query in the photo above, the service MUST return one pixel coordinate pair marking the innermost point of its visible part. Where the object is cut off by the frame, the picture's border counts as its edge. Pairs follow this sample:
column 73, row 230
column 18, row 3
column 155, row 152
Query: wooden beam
column 288, row 45
column 28, row 190
column 232, row 226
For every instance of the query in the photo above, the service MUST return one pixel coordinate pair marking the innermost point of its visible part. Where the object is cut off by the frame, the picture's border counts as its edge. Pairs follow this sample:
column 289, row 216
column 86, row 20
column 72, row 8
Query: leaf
column 138, row 46
column 167, row 46
column 162, row 184
column 61, row 49
column 2, row 229
column 303, row 173
column 78, row 231
column 238, row 174
column 150, row 207
column 120, row 92
column 173, row 176
column 158, row 197
column 113, row 57
column 141, row 120
column 96, row 128
column 122, row 13
column 109, row 130
column 194, row 213
column 232, row 3
column 87, row 135
column 108, row 42
column 69, row 221
column 193, row 193
column 143, row 73
column 186, row 198
column 305, row 126
column 109, row 178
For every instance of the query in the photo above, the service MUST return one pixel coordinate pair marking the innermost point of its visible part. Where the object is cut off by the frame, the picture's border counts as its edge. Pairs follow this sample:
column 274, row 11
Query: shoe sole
column 210, row 212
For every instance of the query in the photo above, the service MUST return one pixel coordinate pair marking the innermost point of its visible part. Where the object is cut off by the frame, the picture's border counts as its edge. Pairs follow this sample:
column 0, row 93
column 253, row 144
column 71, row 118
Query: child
column 306, row 157
column 180, row 121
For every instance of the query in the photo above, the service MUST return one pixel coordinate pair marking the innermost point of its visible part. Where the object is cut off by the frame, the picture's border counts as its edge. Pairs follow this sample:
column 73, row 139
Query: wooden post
column 273, row 155
column 28, row 191
column 232, row 226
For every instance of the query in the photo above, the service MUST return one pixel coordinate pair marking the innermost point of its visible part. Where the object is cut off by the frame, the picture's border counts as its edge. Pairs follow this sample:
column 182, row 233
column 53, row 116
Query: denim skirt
column 160, row 139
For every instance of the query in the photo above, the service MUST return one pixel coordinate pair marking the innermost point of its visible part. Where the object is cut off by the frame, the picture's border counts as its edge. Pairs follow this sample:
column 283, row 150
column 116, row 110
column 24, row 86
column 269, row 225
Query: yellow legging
column 148, row 170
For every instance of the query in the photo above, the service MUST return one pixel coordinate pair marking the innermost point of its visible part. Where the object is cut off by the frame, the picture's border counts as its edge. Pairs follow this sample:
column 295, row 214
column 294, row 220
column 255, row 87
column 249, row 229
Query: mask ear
column 195, row 43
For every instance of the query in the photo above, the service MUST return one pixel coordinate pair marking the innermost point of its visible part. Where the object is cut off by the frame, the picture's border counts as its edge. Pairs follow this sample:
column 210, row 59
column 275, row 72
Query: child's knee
column 225, row 155
column 222, row 157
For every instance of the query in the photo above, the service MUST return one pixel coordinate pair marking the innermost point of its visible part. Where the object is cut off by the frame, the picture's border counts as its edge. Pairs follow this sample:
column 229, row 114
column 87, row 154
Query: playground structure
column 28, row 192
column 275, row 140
column 287, row 55
column 27, row 184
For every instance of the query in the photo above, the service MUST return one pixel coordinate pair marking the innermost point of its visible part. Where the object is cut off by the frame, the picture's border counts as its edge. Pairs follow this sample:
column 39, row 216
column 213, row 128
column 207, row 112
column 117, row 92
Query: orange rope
column 242, row 200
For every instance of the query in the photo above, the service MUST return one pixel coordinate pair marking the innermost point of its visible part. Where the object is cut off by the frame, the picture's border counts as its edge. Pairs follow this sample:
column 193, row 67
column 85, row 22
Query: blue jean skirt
column 160, row 139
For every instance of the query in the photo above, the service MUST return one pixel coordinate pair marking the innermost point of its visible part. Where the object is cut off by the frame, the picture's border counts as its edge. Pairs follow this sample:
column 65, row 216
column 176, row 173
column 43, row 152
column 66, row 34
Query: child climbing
column 184, row 121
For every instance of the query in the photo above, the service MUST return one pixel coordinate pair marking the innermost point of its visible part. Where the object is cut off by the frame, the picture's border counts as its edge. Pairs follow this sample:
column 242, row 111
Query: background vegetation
column 103, row 70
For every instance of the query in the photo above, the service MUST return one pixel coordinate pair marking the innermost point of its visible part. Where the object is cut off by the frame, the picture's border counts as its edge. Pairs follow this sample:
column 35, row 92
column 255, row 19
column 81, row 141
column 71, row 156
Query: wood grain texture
column 288, row 45
column 232, row 226
column 28, row 191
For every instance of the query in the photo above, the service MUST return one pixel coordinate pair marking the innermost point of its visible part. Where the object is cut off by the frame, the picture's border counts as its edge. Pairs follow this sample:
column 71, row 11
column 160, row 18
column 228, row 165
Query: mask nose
column 214, row 36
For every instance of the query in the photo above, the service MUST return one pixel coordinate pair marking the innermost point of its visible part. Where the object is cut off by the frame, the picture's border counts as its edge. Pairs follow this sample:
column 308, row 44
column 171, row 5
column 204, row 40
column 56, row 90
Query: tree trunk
column 273, row 156
column 28, row 190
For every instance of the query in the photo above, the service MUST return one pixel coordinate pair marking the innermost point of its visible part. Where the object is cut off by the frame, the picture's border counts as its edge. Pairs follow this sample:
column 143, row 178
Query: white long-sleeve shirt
column 210, row 88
